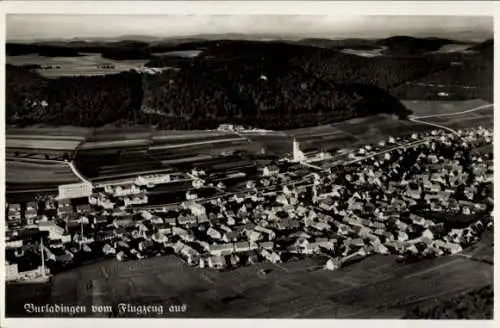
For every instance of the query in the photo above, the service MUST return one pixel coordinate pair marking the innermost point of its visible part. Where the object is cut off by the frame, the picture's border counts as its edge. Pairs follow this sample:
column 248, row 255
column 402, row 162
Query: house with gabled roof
column 214, row 233
column 253, row 235
column 357, row 242
column 269, row 232
column 222, row 249
column 217, row 262
column 230, row 236
column 242, row 246
column 267, row 245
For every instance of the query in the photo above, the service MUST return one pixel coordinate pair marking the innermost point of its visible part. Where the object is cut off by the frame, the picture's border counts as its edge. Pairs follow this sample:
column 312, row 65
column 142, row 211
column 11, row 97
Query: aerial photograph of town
column 251, row 166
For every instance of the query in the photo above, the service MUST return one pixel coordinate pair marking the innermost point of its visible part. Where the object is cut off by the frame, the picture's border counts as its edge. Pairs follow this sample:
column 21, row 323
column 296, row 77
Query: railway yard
column 231, row 162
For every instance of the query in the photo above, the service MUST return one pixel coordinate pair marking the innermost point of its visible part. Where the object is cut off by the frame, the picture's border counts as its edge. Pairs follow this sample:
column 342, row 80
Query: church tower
column 298, row 156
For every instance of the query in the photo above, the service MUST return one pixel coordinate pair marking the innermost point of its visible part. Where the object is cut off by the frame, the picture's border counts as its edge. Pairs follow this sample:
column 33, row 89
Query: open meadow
column 354, row 133
column 365, row 130
column 33, row 172
column 84, row 65
column 483, row 117
column 433, row 107
column 179, row 53
column 377, row 287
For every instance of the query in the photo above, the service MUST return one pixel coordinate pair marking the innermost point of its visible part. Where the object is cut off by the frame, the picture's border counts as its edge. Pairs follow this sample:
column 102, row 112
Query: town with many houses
column 429, row 197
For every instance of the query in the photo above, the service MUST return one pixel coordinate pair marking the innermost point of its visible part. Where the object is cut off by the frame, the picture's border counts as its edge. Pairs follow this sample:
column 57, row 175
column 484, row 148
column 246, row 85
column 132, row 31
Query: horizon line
column 208, row 36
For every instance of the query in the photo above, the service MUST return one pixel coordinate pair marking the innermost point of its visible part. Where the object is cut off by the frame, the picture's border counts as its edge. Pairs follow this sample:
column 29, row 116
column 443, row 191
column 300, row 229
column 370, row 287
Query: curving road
column 439, row 126
column 75, row 171
column 453, row 114
column 418, row 119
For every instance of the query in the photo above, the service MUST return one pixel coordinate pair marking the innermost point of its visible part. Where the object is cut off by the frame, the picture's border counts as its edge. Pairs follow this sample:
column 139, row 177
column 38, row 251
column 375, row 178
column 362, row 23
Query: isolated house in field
column 217, row 262
column 333, row 264
column 271, row 256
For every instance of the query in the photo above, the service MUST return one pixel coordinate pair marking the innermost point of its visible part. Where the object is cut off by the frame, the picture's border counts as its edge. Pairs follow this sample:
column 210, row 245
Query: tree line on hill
column 81, row 101
column 130, row 46
column 267, row 85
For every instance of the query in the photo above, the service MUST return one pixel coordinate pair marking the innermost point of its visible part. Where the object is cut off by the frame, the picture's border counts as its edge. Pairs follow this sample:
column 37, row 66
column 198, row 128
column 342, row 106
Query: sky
column 37, row 26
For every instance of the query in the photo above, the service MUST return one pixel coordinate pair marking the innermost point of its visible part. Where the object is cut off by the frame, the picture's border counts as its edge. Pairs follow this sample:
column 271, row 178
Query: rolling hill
column 273, row 85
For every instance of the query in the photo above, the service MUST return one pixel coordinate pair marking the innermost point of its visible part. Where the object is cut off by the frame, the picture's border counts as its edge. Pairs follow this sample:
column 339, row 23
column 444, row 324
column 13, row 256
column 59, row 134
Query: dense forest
column 476, row 304
column 82, row 101
column 273, row 85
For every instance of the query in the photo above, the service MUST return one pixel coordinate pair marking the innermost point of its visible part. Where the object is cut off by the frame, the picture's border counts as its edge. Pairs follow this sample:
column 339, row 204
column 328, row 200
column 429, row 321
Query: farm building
column 152, row 179
column 75, row 190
